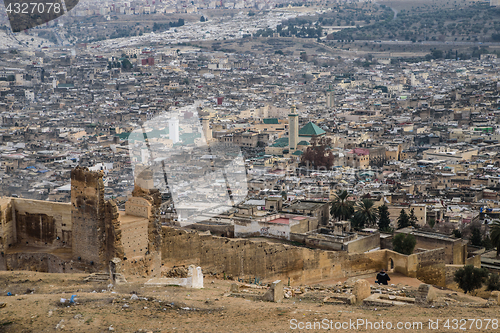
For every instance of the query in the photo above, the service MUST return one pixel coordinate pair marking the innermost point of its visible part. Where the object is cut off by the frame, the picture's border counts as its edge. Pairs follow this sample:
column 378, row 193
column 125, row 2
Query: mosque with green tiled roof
column 298, row 139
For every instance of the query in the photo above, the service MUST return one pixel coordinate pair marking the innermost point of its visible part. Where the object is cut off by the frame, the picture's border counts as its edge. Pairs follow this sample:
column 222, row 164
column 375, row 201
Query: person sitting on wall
column 382, row 278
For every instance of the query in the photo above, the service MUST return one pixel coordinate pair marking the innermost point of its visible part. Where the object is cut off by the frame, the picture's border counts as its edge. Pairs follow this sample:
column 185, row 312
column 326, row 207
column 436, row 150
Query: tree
column 495, row 235
column 364, row 214
column 475, row 238
column 126, row 64
column 403, row 220
column 404, row 243
column 202, row 18
column 319, row 153
column 384, row 222
column 341, row 208
column 457, row 233
column 470, row 278
column 432, row 223
column 412, row 219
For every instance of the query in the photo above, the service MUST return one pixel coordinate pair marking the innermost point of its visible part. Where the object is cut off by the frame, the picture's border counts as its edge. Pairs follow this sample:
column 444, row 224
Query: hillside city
column 257, row 120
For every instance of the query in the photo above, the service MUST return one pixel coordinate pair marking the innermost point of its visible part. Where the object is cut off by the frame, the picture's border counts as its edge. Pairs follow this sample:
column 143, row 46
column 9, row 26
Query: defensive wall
column 249, row 259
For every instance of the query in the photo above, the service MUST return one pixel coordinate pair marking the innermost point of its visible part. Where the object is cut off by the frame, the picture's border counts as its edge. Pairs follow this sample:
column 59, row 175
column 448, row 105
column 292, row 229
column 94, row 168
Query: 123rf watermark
column 358, row 324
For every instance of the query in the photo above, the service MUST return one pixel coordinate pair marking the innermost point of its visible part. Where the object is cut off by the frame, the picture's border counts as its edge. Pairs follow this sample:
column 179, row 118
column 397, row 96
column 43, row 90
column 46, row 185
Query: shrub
column 470, row 278
column 404, row 243
column 493, row 282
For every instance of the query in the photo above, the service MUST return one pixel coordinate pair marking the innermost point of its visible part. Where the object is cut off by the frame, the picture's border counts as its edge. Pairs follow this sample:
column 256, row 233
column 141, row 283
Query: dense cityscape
column 140, row 137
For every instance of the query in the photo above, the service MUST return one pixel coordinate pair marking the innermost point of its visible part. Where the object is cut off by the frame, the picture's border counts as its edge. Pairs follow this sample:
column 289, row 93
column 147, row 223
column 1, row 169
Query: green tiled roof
column 297, row 153
column 269, row 121
column 281, row 142
column 303, row 143
column 311, row 129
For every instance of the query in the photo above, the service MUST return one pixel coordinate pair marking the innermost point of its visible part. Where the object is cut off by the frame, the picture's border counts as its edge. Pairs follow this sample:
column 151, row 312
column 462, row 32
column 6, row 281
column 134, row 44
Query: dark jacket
column 382, row 278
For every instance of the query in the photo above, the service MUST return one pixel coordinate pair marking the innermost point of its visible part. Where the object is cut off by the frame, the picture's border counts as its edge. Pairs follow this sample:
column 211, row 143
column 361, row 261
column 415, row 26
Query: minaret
column 330, row 97
column 293, row 129
column 206, row 128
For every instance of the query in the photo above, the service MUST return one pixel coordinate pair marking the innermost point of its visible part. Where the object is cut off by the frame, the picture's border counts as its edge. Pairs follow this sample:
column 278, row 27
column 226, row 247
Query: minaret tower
column 330, row 97
column 205, row 122
column 293, row 129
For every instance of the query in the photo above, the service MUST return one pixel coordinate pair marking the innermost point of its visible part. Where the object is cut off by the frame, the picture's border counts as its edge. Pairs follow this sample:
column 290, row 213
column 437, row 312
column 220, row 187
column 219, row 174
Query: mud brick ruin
column 92, row 235
column 84, row 235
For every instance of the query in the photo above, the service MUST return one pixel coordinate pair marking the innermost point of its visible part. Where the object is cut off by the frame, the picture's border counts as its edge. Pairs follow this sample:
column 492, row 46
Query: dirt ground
column 35, row 307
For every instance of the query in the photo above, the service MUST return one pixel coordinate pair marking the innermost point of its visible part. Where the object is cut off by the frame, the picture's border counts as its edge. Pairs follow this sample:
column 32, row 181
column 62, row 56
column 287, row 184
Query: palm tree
column 495, row 235
column 341, row 207
column 365, row 213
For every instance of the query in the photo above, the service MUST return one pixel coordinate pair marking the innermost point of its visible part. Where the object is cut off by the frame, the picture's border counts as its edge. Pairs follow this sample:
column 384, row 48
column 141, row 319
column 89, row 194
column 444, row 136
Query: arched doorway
column 390, row 265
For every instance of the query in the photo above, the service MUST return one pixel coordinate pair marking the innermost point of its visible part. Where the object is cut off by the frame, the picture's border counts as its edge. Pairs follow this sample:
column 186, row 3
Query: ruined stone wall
column 7, row 224
column 243, row 258
column 431, row 267
column 43, row 262
column 134, row 237
column 474, row 261
column 87, row 199
column 42, row 223
column 141, row 233
column 364, row 263
column 246, row 259
column 148, row 265
column 450, row 272
column 454, row 250
column 113, row 244
column 365, row 243
column 219, row 230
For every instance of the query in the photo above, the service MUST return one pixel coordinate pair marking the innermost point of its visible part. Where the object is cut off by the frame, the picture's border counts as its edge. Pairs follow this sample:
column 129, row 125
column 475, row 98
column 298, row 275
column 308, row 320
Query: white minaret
column 173, row 129
column 293, row 129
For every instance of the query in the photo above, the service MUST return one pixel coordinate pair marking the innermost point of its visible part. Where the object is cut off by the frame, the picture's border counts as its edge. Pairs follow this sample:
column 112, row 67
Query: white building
column 173, row 129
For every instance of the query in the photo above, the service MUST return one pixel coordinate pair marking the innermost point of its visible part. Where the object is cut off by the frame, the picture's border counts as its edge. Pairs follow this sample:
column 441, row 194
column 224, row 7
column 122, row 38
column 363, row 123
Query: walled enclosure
column 84, row 235
column 247, row 259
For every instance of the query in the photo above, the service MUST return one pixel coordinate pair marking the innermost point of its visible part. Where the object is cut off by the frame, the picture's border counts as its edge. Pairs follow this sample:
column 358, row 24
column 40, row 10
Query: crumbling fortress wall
column 84, row 235
column 246, row 259
column 90, row 234
column 34, row 223
column 88, row 217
